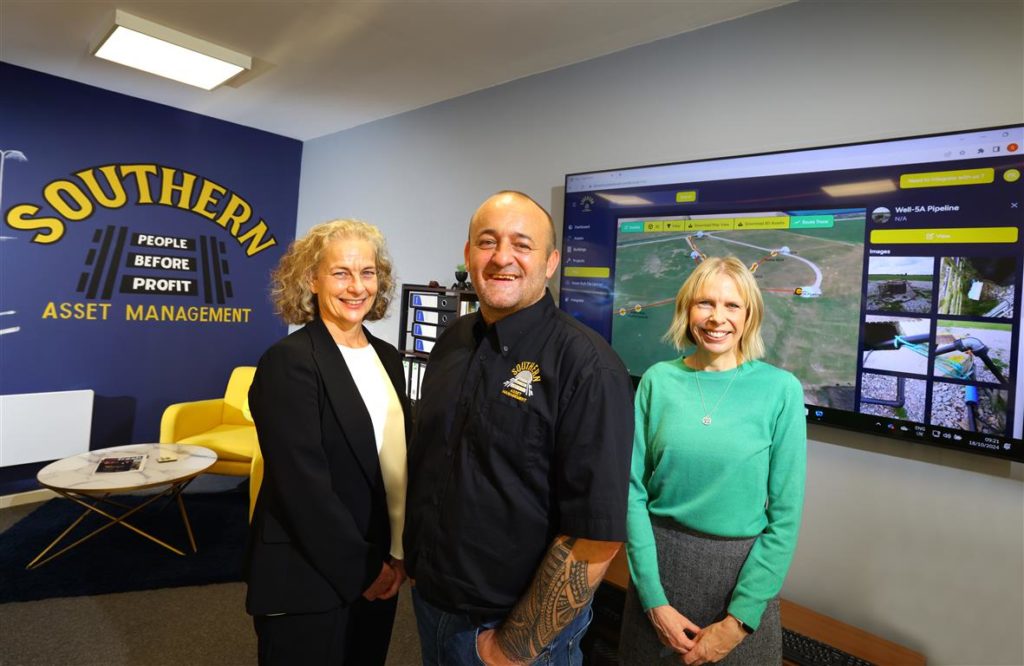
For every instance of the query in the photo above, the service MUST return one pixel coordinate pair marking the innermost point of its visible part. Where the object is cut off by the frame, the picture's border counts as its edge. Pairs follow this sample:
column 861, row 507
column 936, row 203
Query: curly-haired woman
column 324, row 560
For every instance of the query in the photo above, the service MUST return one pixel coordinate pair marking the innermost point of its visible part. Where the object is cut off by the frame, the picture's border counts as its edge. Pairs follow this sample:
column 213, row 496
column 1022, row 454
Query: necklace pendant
column 706, row 420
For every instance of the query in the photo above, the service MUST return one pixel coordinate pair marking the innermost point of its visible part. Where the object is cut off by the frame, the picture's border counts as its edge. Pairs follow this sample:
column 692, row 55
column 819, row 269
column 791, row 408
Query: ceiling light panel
column 153, row 48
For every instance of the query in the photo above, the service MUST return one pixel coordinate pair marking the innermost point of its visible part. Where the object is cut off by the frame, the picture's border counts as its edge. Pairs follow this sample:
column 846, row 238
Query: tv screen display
column 890, row 270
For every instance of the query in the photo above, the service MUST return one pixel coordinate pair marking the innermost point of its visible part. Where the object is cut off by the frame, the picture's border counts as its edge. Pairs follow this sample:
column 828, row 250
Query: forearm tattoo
column 560, row 590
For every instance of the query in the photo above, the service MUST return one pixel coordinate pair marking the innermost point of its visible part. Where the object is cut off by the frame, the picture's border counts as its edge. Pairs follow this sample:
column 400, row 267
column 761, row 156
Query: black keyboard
column 805, row 651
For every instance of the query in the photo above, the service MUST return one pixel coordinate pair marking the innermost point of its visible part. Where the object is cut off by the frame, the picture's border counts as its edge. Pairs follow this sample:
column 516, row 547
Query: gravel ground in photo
column 950, row 410
column 917, row 298
column 883, row 387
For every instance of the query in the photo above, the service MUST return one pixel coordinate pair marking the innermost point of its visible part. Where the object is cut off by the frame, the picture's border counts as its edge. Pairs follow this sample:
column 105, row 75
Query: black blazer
column 320, row 528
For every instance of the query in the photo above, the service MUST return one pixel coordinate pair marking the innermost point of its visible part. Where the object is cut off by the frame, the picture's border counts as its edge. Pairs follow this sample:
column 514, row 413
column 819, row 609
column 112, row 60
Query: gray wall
column 924, row 547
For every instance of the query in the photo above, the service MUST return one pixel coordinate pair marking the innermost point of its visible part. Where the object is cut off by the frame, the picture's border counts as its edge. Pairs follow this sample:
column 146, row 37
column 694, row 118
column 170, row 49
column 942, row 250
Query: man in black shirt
column 519, row 469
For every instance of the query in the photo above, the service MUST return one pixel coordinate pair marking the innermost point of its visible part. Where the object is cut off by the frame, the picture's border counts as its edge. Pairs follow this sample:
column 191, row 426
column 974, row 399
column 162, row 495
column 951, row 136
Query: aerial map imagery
column 809, row 265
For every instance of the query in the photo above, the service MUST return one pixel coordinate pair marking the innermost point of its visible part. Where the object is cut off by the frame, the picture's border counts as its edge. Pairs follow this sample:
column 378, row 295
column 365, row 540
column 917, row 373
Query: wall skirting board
column 30, row 497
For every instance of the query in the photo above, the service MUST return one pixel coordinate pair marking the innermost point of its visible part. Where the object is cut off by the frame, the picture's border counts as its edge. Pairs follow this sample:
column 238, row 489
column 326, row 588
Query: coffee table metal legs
column 184, row 519
column 173, row 492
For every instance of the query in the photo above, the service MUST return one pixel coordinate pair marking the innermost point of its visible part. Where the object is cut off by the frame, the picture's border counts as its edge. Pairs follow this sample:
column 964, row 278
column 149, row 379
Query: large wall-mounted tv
column 891, row 272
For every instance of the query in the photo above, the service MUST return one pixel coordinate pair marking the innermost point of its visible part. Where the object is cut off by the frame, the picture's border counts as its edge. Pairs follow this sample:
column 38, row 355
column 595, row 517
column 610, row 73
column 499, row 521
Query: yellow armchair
column 255, row 478
column 220, row 424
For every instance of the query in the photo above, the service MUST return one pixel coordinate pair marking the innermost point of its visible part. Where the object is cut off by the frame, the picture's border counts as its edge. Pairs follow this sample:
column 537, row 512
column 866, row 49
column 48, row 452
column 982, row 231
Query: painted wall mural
column 135, row 248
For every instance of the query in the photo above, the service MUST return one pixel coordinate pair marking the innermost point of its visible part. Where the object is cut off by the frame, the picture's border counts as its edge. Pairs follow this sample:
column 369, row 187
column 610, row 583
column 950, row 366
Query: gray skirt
column 699, row 573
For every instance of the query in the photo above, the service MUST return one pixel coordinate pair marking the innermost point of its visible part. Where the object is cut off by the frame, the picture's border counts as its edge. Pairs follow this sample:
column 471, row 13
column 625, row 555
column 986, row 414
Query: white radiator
column 35, row 427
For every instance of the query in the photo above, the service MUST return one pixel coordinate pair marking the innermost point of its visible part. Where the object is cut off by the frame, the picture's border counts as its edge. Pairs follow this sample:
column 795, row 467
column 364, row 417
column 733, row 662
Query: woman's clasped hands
column 708, row 645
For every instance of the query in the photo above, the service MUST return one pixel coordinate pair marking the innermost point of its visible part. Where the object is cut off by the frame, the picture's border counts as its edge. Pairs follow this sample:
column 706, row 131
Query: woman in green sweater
column 716, row 486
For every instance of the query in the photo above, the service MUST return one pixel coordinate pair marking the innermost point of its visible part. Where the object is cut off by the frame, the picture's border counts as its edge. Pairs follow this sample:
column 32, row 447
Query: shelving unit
column 425, row 313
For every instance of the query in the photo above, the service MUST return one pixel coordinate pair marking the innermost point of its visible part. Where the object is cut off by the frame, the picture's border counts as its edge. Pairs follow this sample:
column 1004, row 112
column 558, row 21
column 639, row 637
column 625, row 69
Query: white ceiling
column 321, row 66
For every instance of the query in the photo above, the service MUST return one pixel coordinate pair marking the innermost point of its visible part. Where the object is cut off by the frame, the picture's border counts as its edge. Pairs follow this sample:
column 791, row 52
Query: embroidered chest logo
column 520, row 387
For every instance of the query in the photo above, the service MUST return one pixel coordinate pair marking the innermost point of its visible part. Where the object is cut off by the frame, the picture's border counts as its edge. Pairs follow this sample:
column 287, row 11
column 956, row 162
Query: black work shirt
column 524, row 432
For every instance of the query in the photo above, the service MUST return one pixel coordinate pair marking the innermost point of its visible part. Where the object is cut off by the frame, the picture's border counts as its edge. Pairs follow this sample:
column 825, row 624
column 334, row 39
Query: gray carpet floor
column 205, row 624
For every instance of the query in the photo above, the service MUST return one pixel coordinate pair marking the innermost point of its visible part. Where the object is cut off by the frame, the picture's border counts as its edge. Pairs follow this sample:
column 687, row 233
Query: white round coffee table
column 78, row 479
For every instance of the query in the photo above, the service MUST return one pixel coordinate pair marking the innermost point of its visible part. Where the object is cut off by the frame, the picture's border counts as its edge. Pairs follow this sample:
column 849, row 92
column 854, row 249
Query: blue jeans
column 449, row 639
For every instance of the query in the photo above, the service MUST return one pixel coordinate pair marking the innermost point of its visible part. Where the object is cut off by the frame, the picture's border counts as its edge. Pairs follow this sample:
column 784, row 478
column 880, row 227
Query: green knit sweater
column 740, row 476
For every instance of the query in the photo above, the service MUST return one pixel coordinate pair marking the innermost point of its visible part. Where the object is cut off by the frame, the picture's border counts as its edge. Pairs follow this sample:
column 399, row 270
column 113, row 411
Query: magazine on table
column 132, row 463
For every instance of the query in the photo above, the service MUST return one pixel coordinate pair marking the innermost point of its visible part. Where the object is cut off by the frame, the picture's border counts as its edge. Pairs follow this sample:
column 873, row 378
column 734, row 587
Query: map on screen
column 807, row 263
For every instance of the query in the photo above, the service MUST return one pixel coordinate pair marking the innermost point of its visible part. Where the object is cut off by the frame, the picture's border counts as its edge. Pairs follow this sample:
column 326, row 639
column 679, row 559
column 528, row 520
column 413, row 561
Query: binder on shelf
column 419, row 299
column 426, row 331
column 422, row 345
column 468, row 307
column 436, row 317
column 414, row 369
column 426, row 316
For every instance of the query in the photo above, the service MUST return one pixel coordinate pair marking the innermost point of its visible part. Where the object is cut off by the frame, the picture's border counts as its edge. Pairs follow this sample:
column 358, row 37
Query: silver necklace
column 707, row 413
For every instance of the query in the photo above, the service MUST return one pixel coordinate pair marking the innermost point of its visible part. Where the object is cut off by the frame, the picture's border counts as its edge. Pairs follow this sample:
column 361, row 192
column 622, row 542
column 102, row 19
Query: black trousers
column 356, row 635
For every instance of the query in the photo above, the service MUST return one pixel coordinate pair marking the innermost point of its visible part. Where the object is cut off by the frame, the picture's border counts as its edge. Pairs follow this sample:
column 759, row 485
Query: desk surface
column 846, row 637
column 814, row 625
column 78, row 473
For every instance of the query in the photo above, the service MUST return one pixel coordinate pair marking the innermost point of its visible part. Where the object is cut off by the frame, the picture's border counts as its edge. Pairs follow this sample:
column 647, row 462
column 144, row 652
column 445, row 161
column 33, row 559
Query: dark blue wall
column 83, row 320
